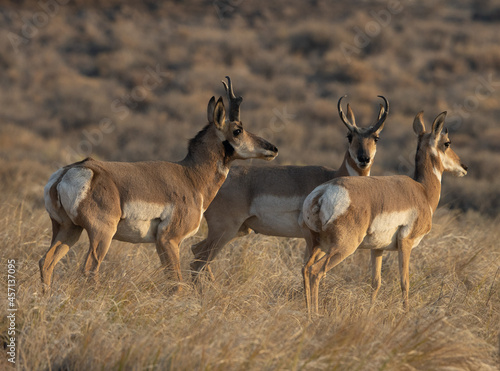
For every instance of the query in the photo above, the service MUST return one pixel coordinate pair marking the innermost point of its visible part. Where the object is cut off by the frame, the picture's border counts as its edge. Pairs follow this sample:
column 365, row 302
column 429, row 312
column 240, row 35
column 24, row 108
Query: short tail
column 51, row 196
column 311, row 212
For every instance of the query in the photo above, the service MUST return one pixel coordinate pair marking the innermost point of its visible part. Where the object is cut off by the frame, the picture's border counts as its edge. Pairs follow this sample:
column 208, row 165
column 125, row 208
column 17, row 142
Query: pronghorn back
column 388, row 208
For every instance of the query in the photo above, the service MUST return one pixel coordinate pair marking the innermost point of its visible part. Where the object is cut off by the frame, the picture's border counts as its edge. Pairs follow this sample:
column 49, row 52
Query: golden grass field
column 63, row 82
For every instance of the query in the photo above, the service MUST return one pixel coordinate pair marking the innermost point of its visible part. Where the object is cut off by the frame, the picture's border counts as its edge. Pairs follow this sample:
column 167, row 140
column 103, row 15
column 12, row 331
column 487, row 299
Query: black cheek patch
column 228, row 149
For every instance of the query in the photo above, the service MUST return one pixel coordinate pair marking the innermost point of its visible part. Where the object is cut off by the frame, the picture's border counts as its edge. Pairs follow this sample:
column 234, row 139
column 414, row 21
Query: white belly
column 276, row 216
column 387, row 227
column 137, row 231
column 140, row 220
column 383, row 239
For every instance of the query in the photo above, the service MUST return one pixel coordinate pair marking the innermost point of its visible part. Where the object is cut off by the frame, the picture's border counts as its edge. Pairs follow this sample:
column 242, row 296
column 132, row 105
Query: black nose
column 273, row 148
column 363, row 159
column 465, row 167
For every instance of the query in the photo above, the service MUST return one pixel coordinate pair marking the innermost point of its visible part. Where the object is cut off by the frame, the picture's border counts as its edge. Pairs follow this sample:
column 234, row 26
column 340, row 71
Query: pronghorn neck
column 349, row 167
column 207, row 163
column 428, row 172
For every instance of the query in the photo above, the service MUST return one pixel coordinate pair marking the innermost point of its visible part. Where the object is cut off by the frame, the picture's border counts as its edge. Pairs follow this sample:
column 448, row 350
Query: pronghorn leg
column 404, row 251
column 63, row 237
column 315, row 256
column 99, row 246
column 206, row 250
column 315, row 276
column 318, row 270
column 308, row 236
column 169, row 253
column 209, row 271
column 376, row 258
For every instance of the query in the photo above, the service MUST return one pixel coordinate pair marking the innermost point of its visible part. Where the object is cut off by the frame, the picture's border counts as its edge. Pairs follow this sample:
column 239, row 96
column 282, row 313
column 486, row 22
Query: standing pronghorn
column 378, row 213
column 269, row 199
column 157, row 201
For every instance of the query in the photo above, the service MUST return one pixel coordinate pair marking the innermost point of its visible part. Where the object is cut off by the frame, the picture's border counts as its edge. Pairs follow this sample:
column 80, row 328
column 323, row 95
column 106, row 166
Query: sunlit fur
column 144, row 202
column 378, row 213
column 268, row 200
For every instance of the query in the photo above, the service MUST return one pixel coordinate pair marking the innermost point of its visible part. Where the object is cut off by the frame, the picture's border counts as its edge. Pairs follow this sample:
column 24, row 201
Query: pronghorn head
column 241, row 143
column 437, row 143
column 363, row 141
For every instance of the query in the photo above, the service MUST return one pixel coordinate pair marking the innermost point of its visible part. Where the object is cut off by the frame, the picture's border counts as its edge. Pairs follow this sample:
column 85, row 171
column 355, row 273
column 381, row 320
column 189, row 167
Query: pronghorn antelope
column 378, row 213
column 269, row 199
column 156, row 201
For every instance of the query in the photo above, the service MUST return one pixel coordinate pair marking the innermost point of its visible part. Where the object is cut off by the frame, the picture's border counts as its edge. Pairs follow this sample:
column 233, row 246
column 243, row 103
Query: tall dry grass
column 253, row 316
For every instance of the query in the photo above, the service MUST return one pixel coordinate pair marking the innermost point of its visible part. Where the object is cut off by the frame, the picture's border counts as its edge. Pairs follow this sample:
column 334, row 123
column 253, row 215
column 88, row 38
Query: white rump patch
column 73, row 188
column 333, row 201
column 49, row 206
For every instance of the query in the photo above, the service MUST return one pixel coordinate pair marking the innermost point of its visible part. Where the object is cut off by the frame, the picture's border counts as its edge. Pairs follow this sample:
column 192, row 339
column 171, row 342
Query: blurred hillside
column 121, row 81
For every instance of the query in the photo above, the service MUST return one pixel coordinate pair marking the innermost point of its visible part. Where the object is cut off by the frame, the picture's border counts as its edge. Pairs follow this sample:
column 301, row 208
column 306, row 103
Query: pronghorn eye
column 447, row 144
column 237, row 132
column 376, row 139
column 349, row 137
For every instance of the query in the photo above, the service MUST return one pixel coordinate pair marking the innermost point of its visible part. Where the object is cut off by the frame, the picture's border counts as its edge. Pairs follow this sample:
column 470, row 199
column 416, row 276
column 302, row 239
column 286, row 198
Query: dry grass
column 253, row 316
column 283, row 58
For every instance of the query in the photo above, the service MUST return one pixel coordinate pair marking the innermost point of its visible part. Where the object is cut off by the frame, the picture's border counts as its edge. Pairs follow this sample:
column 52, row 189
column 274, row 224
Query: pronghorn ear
column 380, row 114
column 438, row 124
column 418, row 123
column 350, row 115
column 219, row 115
column 210, row 110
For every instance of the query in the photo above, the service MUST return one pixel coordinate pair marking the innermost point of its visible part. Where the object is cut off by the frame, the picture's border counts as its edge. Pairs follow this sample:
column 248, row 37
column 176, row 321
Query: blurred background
column 130, row 81
column 119, row 80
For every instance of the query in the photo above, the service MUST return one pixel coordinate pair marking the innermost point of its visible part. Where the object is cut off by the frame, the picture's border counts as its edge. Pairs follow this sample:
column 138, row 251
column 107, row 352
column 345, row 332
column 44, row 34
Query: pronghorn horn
column 234, row 102
column 382, row 117
column 344, row 119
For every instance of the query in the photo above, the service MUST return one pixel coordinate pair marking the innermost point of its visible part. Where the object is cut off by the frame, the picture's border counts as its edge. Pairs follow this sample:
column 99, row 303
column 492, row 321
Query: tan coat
column 155, row 201
column 269, row 199
column 377, row 213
